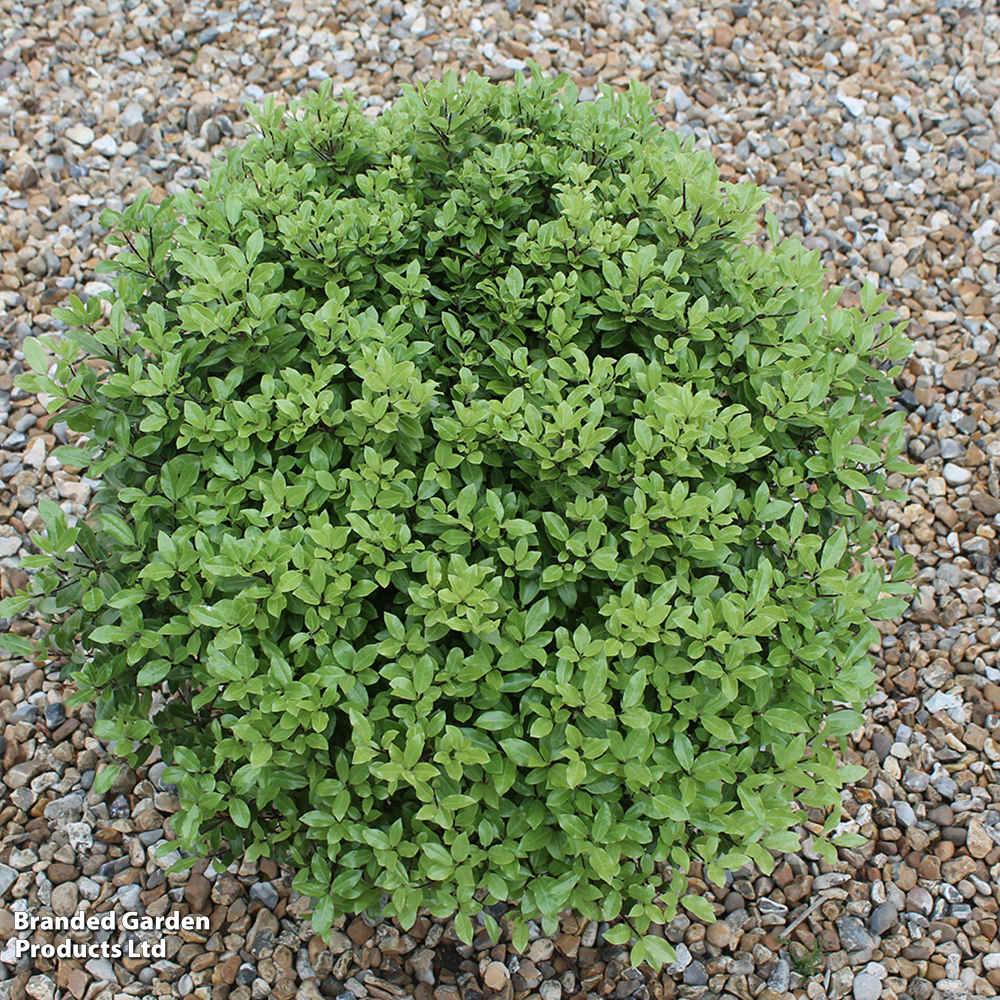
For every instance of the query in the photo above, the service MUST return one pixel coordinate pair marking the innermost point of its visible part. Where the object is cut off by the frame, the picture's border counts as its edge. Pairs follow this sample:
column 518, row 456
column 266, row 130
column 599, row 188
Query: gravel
column 873, row 126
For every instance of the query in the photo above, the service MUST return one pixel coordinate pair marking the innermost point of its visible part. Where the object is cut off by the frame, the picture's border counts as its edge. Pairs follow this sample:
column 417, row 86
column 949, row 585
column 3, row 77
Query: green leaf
column 618, row 934
column 179, row 475
column 786, row 720
column 239, row 812
column 17, row 644
column 850, row 840
column 849, row 773
column 153, row 673
column 537, row 616
column 116, row 527
column 785, row 841
column 842, row 722
column 522, row 753
column 659, row 952
column 700, row 907
column 34, row 354
column 463, row 928
column 105, row 779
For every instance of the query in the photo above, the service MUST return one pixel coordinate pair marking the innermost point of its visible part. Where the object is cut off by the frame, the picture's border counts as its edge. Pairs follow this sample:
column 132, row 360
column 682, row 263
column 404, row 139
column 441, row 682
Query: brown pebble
column 978, row 841
column 907, row 878
column 66, row 729
column 58, row 873
column 771, row 941
column 724, row 35
column 226, row 971
column 935, row 973
column 799, row 888
column 197, row 892
column 930, row 867
column 719, row 934
column 77, row 982
column 986, row 504
column 783, row 875
column 284, row 989
column 496, row 976
column 941, row 815
column 992, row 692
column 226, row 890
column 944, row 849
column 957, row 869
column 568, row 944
column 359, row 932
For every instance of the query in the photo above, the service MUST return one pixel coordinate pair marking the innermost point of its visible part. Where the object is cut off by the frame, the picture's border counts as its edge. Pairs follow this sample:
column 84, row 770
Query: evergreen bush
column 487, row 509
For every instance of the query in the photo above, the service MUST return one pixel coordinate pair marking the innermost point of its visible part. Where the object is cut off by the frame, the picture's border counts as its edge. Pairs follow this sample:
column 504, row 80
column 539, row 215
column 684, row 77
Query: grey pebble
column 780, row 977
column 24, row 713
column 945, row 786
column 55, row 715
column 695, row 975
column 904, row 813
column 883, row 918
column 7, row 878
column 853, row 935
column 264, row 893
column 112, row 868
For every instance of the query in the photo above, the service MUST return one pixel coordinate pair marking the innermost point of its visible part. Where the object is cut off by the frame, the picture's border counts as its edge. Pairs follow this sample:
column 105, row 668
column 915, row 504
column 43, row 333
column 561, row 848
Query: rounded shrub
column 483, row 514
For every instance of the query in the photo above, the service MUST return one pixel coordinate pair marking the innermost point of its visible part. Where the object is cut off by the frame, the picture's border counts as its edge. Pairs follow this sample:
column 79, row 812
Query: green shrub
column 487, row 506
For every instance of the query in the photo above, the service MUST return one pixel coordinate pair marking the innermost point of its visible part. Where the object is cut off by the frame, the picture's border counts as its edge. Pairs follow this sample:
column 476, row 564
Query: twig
column 798, row 920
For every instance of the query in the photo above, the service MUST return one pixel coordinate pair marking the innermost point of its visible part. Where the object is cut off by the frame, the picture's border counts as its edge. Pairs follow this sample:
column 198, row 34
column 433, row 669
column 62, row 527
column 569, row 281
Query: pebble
column 719, row 934
column 853, row 935
column 867, row 987
column 883, row 918
column 496, row 976
column 955, row 475
column 106, row 145
column 265, row 894
column 82, row 135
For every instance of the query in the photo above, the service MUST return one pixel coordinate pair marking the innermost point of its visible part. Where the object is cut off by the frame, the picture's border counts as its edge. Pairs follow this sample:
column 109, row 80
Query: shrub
column 484, row 506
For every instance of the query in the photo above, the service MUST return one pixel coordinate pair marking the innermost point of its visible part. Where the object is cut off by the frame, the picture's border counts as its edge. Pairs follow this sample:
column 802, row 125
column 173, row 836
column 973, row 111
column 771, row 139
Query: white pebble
column 955, row 475
column 106, row 146
column 299, row 57
column 866, row 987
column 988, row 228
column 132, row 115
column 80, row 134
column 855, row 105
column 10, row 545
column 34, row 454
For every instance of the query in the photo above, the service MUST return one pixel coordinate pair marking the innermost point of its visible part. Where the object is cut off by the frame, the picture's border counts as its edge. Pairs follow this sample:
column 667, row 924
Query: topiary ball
column 484, row 513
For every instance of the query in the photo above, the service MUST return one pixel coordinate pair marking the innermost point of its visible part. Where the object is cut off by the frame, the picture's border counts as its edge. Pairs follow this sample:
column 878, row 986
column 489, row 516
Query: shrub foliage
column 484, row 505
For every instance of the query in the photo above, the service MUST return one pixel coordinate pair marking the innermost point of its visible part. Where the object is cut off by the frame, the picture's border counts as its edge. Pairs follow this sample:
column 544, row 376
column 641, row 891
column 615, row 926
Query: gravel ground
column 874, row 128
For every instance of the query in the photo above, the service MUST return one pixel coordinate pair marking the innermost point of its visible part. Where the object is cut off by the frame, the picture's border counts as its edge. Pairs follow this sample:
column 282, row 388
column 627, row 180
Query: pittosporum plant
column 489, row 512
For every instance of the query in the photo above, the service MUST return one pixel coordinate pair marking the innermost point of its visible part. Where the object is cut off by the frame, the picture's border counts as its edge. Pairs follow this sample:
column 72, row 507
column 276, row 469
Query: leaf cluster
column 484, row 505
